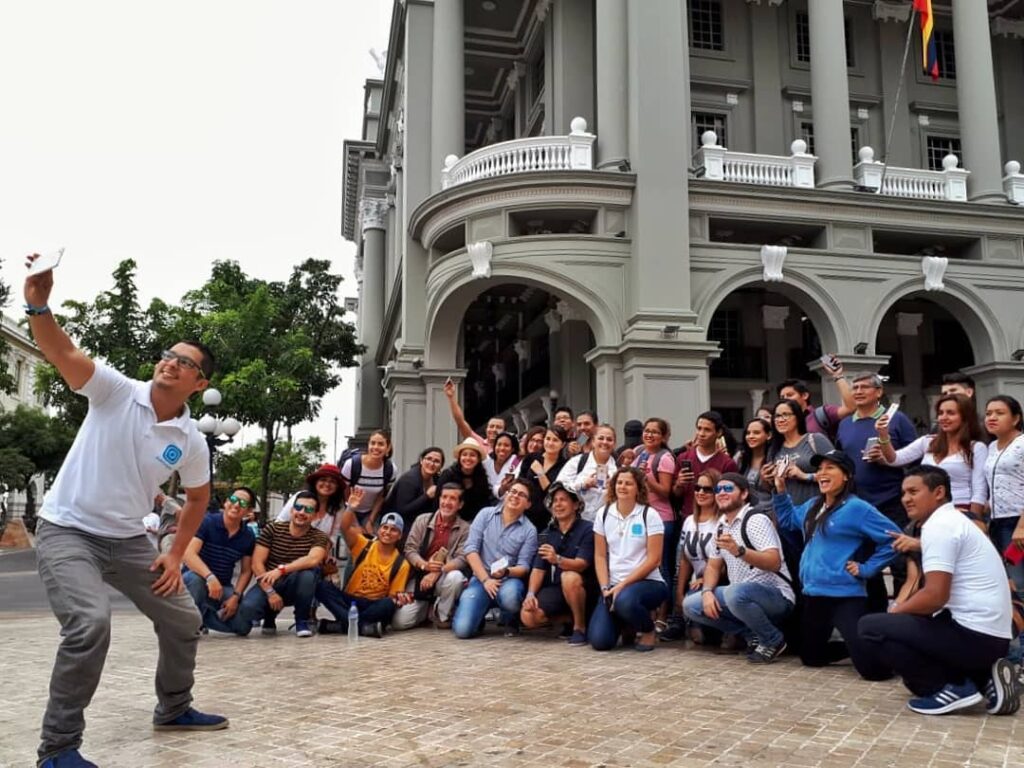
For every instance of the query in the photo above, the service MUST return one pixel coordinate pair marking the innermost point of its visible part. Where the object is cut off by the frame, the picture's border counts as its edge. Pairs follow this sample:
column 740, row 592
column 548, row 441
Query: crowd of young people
column 779, row 543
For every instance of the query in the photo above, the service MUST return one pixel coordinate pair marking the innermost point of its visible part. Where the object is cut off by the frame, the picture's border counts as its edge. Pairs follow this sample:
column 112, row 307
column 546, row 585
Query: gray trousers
column 74, row 566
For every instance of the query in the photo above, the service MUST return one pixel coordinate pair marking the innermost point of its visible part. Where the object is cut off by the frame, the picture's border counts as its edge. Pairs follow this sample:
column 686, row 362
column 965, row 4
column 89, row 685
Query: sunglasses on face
column 243, row 503
column 781, row 416
column 725, row 488
column 704, row 489
column 182, row 360
column 309, row 510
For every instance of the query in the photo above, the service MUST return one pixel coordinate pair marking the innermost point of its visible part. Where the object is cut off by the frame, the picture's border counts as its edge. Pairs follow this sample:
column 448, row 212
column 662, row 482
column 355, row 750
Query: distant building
column 23, row 357
column 652, row 207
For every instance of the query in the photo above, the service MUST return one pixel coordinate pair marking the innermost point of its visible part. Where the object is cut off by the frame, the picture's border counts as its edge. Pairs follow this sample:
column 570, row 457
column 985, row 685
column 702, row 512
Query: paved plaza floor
column 423, row 698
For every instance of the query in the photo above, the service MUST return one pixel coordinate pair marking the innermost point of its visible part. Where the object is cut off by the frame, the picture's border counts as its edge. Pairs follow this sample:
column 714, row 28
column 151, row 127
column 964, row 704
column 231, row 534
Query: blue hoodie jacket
column 850, row 526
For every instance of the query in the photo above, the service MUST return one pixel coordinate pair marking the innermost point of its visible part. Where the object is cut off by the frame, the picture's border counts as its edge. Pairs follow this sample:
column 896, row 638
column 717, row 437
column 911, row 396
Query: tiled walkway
column 424, row 698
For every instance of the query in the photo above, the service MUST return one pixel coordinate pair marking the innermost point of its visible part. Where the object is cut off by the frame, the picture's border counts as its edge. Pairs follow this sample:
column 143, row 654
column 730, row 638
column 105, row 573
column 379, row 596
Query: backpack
column 395, row 566
column 643, row 516
column 791, row 548
column 821, row 416
column 357, row 467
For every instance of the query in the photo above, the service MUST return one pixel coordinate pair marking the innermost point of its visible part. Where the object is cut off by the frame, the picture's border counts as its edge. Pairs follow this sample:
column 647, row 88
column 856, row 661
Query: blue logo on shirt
column 636, row 530
column 171, row 454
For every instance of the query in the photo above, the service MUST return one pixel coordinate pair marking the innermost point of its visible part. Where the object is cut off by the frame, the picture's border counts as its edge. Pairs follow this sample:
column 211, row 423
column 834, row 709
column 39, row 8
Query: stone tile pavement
column 425, row 699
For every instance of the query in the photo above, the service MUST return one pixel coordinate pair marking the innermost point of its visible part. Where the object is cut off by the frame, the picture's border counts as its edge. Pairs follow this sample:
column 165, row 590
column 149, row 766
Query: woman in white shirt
column 590, row 473
column 628, row 540
column 957, row 447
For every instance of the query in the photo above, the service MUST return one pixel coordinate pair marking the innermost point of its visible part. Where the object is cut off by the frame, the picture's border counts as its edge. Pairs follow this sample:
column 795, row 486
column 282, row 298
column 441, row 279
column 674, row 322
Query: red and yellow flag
column 929, row 56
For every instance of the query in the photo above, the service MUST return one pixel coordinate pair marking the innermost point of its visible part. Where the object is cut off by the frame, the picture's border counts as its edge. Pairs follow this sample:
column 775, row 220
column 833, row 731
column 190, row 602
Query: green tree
column 280, row 346
column 31, row 442
column 289, row 465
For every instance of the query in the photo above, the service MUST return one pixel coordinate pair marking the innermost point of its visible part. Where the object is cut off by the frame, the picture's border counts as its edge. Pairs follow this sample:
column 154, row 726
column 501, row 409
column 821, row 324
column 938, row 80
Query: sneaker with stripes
column 1002, row 694
column 949, row 699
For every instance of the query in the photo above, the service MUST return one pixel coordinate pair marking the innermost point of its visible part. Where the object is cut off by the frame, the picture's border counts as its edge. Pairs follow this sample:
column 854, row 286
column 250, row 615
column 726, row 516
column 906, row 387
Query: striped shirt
column 221, row 551
column 284, row 548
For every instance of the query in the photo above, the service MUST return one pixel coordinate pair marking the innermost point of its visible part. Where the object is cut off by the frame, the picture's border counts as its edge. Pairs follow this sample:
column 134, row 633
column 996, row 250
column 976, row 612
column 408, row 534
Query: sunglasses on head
column 309, row 510
column 243, row 503
column 725, row 488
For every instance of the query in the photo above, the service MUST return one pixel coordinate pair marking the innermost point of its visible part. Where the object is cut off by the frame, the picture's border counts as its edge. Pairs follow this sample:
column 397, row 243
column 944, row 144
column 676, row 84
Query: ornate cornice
column 890, row 11
column 373, row 213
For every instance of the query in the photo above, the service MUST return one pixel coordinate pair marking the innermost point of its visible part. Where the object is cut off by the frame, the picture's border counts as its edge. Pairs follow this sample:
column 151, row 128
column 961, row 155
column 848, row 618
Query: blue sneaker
column 69, row 759
column 302, row 629
column 1002, row 694
column 579, row 637
column 949, row 699
column 193, row 720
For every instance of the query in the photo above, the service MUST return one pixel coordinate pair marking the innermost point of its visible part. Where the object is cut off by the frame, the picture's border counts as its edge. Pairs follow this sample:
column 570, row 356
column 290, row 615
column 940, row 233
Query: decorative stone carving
column 566, row 311
column 523, row 352
column 1003, row 27
column 1013, row 182
column 772, row 258
column 553, row 320
column 774, row 318
column 543, row 6
column 547, row 402
column 908, row 323
column 479, row 389
column 373, row 213
column 480, row 254
column 934, row 268
column 890, row 11
column 517, row 73
column 756, row 400
column 498, row 370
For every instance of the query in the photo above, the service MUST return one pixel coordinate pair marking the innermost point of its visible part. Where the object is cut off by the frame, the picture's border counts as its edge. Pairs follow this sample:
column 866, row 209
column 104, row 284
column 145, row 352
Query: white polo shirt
column 979, row 594
column 120, row 457
column 626, row 538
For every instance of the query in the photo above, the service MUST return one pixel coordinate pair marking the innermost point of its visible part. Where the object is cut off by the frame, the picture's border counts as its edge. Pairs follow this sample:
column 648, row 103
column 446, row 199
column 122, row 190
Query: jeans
column 338, row 603
column 1000, row 530
column 747, row 609
column 820, row 615
column 929, row 652
column 632, row 607
column 669, row 554
column 294, row 588
column 475, row 602
column 74, row 566
column 209, row 609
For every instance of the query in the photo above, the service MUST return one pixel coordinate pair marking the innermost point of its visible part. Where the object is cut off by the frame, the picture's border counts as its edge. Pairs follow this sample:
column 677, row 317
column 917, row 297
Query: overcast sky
column 179, row 133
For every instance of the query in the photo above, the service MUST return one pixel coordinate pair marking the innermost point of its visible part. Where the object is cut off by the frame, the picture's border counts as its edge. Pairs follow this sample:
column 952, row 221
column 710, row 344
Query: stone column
column 448, row 91
column 572, row 30
column 407, row 401
column 612, row 75
column 553, row 320
column 768, row 111
column 1008, row 52
column 908, row 326
column 439, row 427
column 610, row 391
column 997, row 378
column 891, row 20
column 373, row 220
column 976, row 100
column 775, row 349
column 830, row 94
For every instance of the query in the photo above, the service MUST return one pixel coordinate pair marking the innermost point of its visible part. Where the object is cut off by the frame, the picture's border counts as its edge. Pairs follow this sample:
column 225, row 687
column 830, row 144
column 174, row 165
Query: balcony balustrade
column 948, row 184
column 717, row 163
column 574, row 152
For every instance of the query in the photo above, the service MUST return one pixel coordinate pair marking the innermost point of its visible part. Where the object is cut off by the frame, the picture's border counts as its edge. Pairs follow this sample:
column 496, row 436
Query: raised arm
column 75, row 367
column 457, row 415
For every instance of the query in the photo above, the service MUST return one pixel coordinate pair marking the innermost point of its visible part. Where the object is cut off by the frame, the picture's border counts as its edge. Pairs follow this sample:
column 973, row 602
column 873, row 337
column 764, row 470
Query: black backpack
column 792, row 547
column 357, row 467
column 395, row 566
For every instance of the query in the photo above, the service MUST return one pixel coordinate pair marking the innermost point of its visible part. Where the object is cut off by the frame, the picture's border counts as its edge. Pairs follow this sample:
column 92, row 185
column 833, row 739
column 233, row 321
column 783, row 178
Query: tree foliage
column 6, row 379
column 289, row 465
column 31, row 442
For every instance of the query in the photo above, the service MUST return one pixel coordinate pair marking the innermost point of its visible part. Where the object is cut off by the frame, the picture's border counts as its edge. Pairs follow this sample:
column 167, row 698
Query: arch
column 982, row 327
column 822, row 310
column 447, row 306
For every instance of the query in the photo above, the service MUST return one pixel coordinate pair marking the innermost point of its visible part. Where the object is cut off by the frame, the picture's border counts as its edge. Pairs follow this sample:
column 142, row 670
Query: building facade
column 23, row 357
column 652, row 207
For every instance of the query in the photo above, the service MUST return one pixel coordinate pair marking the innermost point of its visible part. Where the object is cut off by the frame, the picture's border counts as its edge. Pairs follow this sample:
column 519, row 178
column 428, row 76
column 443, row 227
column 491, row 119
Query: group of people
column 779, row 544
column 780, row 541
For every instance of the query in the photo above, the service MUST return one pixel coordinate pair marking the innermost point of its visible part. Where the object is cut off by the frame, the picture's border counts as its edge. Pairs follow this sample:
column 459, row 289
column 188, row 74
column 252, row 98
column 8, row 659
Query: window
column 706, row 25
column 803, row 39
column 537, row 77
column 807, row 134
column 727, row 329
column 709, row 121
column 946, row 54
column 855, row 143
column 940, row 146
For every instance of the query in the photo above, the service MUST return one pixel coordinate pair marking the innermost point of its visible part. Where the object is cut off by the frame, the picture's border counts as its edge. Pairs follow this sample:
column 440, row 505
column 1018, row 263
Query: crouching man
column 434, row 550
column 563, row 567
column 948, row 640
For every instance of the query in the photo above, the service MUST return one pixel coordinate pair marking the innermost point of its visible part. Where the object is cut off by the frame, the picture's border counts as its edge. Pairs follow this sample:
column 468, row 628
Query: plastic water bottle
column 353, row 624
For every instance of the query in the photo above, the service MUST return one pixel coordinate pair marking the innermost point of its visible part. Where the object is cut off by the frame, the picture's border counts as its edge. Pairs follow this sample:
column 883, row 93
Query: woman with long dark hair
column 958, row 447
column 542, row 469
column 505, row 458
column 468, row 471
column 327, row 486
column 374, row 474
column 415, row 491
column 837, row 528
column 791, row 450
column 753, row 456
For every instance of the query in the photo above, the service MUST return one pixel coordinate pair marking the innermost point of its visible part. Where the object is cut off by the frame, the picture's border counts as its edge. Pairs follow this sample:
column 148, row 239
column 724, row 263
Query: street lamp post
column 214, row 427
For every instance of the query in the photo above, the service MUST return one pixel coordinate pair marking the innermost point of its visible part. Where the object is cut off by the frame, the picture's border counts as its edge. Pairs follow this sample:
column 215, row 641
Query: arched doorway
column 523, row 350
column 765, row 337
column 924, row 340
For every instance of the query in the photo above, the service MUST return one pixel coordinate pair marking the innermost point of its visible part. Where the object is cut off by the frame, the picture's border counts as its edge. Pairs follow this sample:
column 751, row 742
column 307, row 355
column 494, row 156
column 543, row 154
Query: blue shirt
column 848, row 527
column 220, row 550
column 576, row 543
column 490, row 538
column 877, row 483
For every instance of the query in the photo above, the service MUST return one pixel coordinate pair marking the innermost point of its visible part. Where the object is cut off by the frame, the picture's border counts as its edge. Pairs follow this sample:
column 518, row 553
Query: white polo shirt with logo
column 120, row 458
column 626, row 538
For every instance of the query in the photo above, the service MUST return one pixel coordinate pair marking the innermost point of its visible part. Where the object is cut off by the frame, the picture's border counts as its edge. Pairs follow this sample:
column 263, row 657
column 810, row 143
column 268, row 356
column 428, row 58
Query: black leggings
column 929, row 652
column 820, row 615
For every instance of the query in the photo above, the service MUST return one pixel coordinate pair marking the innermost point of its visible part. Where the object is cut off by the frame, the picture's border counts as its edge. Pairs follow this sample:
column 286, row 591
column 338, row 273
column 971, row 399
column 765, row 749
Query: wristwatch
column 558, row 560
column 741, row 551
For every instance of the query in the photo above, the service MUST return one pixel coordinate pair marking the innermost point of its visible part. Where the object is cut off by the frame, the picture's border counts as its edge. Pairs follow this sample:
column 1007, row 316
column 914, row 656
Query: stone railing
column 948, row 184
column 1013, row 182
column 719, row 164
column 574, row 152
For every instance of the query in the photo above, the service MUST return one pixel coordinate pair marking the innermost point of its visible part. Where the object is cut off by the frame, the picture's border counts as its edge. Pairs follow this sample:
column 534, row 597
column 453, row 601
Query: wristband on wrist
column 32, row 310
column 210, row 575
column 271, row 591
column 531, row 593
column 282, row 568
column 884, row 442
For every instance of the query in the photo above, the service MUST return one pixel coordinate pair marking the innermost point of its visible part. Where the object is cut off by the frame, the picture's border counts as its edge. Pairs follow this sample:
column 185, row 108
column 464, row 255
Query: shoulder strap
column 821, row 416
column 582, row 462
column 425, row 544
column 395, row 567
column 746, row 540
column 389, row 472
column 362, row 555
column 355, row 467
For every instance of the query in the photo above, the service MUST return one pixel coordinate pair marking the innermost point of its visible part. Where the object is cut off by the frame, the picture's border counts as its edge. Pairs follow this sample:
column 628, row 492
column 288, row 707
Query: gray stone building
column 650, row 207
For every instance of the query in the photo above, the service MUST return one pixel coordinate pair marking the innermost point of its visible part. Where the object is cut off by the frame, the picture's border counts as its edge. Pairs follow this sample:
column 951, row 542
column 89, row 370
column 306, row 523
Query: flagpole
column 896, row 101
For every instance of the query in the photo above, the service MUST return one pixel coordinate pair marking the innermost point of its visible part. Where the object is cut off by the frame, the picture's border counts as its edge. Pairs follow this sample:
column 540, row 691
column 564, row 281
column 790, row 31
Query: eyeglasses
column 518, row 494
column 182, row 360
column 243, row 503
column 782, row 416
column 652, row 432
column 704, row 489
column 309, row 510
column 725, row 488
